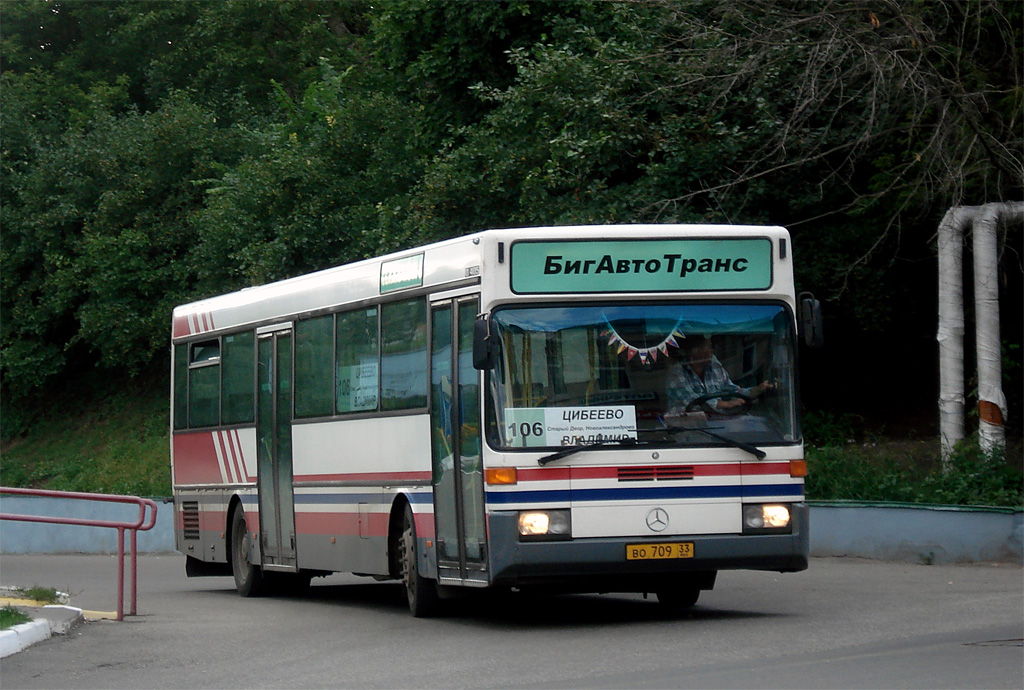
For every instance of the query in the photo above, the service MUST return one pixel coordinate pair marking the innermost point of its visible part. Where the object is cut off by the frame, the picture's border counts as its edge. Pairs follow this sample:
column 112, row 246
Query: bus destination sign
column 682, row 265
column 399, row 274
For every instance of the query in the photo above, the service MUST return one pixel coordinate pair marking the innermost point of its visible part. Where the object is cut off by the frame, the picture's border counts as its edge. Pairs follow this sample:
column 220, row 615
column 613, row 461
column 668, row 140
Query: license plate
column 651, row 552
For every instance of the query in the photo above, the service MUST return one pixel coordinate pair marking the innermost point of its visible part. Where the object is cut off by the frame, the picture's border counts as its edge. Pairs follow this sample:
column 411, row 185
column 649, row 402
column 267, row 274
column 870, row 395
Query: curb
column 19, row 637
column 48, row 620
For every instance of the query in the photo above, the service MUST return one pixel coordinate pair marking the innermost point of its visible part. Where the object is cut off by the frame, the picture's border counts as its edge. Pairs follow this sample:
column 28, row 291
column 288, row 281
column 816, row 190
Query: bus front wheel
column 248, row 577
column 420, row 592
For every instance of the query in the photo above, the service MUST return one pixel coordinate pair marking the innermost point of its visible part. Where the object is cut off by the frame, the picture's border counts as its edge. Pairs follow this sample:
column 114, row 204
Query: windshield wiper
column 753, row 450
column 569, row 450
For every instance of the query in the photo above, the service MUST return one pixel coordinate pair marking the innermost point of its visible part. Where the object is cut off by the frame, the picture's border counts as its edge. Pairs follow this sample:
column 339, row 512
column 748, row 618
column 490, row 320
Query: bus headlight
column 544, row 524
column 766, row 518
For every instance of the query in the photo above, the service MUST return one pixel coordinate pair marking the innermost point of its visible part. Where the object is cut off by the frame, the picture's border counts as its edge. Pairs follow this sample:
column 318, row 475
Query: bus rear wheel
column 248, row 577
column 420, row 592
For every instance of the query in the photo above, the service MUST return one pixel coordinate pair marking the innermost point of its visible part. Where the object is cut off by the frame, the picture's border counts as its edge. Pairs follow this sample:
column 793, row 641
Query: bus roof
column 439, row 266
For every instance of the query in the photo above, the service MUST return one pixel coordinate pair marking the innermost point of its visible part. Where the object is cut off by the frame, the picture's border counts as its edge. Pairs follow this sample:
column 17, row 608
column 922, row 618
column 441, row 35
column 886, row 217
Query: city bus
column 507, row 410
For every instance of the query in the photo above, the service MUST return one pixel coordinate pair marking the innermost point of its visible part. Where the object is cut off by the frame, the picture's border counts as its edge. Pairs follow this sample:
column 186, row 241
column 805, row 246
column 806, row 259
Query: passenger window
column 403, row 365
column 314, row 367
column 181, row 386
column 358, row 363
column 204, row 384
column 238, row 363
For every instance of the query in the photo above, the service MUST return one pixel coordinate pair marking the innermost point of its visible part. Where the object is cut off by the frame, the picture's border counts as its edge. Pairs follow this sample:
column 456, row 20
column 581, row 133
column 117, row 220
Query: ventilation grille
column 655, row 473
column 190, row 519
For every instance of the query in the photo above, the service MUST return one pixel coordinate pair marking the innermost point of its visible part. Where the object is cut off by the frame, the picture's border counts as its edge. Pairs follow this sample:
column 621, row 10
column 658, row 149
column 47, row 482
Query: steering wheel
column 702, row 402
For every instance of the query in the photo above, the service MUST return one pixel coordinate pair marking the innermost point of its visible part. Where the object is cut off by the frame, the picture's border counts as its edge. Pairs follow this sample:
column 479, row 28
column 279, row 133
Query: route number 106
column 526, row 430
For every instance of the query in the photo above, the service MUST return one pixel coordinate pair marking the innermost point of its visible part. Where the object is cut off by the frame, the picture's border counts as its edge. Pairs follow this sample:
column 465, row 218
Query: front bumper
column 599, row 564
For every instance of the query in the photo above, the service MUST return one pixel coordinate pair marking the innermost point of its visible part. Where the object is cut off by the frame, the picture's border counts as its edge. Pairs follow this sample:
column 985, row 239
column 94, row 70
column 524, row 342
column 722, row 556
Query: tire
column 249, row 580
column 420, row 592
column 678, row 599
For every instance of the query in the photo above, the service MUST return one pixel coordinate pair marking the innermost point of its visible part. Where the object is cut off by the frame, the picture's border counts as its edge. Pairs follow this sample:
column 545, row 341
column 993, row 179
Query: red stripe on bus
column 767, row 468
column 396, row 477
column 222, row 454
column 236, row 440
column 181, row 327
column 209, row 520
column 347, row 524
column 230, row 457
column 195, row 459
column 341, row 524
column 731, row 469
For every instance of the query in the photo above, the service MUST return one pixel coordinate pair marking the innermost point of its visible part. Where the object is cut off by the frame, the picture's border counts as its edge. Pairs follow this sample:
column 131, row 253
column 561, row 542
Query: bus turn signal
column 501, row 475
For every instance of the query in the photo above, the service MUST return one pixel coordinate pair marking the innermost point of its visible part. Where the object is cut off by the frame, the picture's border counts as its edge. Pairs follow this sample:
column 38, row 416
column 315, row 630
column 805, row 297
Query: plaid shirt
column 682, row 385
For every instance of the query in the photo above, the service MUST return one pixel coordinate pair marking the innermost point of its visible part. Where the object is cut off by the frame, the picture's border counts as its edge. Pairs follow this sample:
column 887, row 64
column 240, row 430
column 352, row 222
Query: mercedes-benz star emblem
column 657, row 519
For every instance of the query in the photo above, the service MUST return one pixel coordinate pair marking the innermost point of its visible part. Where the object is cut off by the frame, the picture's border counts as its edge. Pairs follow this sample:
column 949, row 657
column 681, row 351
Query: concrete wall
column 916, row 534
column 37, row 537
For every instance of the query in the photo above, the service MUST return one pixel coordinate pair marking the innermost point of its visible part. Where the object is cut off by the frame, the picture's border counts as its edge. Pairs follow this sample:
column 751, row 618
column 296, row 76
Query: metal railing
column 140, row 525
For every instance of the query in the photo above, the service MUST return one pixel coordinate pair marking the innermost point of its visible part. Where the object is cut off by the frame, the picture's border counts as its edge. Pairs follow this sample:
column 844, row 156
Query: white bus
column 516, row 408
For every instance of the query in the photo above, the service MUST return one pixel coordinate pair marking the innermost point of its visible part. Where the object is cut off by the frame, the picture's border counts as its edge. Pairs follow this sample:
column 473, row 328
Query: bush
column 913, row 473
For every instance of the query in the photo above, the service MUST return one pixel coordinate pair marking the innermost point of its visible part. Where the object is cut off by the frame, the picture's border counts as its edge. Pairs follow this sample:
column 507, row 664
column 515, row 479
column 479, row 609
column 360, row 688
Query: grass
column 846, row 464
column 10, row 616
column 112, row 442
column 885, row 472
column 44, row 595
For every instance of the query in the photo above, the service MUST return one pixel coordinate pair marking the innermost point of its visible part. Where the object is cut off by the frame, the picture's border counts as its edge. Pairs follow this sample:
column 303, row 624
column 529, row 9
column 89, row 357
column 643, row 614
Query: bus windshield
column 669, row 374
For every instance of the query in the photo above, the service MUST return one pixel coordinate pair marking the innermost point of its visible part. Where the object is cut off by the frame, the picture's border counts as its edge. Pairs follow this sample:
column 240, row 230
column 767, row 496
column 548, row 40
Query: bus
column 507, row 410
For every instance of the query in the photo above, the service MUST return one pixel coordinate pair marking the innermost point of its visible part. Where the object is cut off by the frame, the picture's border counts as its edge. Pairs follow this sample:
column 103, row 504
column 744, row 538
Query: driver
column 702, row 374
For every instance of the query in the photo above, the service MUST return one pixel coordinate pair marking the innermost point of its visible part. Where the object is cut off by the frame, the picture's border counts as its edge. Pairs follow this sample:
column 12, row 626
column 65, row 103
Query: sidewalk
column 47, row 620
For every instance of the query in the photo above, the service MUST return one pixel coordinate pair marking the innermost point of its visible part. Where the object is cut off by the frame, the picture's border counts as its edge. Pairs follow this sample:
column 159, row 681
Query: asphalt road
column 844, row 623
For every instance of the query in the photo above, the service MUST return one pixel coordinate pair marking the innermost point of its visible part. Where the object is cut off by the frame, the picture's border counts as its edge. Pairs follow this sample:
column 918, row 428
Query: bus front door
column 274, row 454
column 455, row 430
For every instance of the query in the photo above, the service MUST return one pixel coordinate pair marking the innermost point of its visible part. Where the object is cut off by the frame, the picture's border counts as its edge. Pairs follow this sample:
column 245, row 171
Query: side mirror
column 811, row 324
column 485, row 348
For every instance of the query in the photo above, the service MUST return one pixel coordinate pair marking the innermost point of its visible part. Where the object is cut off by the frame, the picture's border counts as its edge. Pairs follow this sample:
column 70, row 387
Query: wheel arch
column 395, row 518
column 235, row 503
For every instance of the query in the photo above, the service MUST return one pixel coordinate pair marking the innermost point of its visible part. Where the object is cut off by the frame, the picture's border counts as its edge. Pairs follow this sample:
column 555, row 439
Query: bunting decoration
column 646, row 354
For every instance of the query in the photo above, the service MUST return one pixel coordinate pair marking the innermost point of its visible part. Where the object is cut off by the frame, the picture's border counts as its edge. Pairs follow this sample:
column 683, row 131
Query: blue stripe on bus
column 637, row 493
column 567, row 495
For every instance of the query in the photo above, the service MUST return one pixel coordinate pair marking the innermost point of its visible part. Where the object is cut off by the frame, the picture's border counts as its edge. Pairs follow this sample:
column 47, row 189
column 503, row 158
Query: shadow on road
column 515, row 609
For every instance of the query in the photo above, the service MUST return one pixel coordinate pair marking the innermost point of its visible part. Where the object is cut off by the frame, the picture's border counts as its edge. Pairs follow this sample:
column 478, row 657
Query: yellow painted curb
column 88, row 615
column 11, row 601
column 100, row 615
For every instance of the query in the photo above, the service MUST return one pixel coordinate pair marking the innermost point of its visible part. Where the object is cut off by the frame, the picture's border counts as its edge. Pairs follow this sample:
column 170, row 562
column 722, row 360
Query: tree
column 93, row 249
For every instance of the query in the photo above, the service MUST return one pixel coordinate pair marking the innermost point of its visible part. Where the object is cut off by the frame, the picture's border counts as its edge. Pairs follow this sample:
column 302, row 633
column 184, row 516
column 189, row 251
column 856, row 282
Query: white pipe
column 951, row 328
column 991, row 401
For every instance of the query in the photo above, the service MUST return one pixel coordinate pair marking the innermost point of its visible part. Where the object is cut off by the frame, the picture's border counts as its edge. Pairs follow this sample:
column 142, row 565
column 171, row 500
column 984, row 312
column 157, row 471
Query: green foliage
column 898, row 473
column 10, row 617
column 44, row 595
column 156, row 152
column 95, row 253
column 823, row 428
column 102, row 436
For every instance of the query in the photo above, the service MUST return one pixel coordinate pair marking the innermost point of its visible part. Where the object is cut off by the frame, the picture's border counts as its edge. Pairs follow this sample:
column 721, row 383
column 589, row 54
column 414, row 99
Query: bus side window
column 358, row 363
column 314, row 367
column 181, row 386
column 204, row 384
column 238, row 362
column 403, row 365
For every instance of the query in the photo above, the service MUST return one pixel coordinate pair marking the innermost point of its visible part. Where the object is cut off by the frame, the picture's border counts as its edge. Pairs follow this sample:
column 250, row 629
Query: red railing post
column 140, row 525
